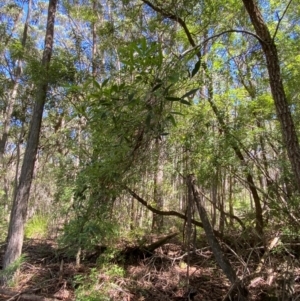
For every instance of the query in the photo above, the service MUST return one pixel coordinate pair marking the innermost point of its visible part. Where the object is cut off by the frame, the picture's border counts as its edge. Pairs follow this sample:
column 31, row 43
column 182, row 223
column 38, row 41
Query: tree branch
column 220, row 34
column 165, row 213
column 188, row 34
column 280, row 19
column 176, row 19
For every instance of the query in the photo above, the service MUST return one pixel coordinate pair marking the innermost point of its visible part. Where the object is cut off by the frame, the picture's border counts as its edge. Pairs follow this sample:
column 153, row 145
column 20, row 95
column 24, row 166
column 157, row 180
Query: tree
column 20, row 203
column 268, row 45
column 13, row 95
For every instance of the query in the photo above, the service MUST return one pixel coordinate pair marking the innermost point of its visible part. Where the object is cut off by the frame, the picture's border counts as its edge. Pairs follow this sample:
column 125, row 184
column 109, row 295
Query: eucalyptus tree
column 16, row 76
column 20, row 203
column 16, row 49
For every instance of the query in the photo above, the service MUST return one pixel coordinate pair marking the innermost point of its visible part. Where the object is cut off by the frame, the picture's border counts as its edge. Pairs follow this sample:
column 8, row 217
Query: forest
column 149, row 150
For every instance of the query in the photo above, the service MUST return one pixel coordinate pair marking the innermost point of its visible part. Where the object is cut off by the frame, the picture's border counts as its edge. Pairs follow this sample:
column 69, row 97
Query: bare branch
column 280, row 19
column 166, row 213
column 218, row 35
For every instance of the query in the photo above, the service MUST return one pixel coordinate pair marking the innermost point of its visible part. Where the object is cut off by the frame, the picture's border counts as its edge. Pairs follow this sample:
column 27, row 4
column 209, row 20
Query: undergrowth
column 37, row 227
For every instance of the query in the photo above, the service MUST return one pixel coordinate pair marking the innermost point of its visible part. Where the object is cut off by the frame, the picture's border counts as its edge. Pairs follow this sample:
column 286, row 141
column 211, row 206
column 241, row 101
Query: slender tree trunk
column 94, row 45
column 13, row 96
column 282, row 108
column 222, row 198
column 214, row 197
column 19, row 210
column 157, row 221
column 230, row 197
column 234, row 144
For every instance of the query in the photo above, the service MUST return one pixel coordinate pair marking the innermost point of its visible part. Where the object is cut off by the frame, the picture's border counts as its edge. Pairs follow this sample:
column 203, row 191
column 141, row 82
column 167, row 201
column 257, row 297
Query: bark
column 94, row 45
column 221, row 259
column 19, row 209
column 214, row 197
column 283, row 111
column 157, row 221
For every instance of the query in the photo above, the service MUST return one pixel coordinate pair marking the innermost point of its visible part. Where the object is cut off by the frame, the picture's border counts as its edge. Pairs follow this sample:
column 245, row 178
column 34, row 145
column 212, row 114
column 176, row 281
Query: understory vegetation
column 149, row 150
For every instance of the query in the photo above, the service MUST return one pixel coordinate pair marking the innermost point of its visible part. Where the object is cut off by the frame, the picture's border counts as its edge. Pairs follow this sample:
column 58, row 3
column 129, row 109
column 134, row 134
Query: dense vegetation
column 121, row 120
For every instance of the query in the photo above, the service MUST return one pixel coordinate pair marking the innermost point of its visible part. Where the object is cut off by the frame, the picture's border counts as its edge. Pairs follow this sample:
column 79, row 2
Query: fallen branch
column 139, row 252
column 24, row 296
column 161, row 242
column 272, row 244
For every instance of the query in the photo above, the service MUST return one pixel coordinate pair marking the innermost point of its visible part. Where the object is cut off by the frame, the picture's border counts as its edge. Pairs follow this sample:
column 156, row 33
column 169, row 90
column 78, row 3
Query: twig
column 280, row 19
column 14, row 296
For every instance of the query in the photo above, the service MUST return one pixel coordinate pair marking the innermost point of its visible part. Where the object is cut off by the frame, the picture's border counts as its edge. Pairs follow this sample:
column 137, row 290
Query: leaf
column 104, row 82
column 172, row 119
column 72, row 88
column 94, row 95
column 193, row 91
column 157, row 86
column 171, row 98
column 130, row 96
column 196, row 68
column 185, row 102
column 148, row 119
column 166, row 90
column 143, row 44
column 96, row 84
column 114, row 88
column 173, row 78
column 177, row 113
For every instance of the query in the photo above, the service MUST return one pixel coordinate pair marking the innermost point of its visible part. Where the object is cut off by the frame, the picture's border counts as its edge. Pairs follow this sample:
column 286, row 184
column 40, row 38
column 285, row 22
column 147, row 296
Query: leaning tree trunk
column 19, row 209
column 223, row 262
column 268, row 45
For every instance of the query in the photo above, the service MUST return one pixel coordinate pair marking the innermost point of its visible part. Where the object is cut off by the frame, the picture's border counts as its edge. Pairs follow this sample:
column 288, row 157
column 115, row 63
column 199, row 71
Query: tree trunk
column 13, row 96
column 284, row 115
column 19, row 209
column 157, row 221
column 221, row 259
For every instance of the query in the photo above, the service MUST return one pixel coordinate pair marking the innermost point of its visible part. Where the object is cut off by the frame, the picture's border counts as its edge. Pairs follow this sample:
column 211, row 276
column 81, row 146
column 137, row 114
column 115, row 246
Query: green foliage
column 11, row 272
column 99, row 284
column 142, row 56
column 37, row 227
column 87, row 232
column 16, row 50
column 89, row 288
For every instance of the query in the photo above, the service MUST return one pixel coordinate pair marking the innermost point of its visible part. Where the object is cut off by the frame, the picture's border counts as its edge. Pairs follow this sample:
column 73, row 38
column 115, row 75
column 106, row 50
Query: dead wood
column 134, row 253
column 152, row 247
column 10, row 295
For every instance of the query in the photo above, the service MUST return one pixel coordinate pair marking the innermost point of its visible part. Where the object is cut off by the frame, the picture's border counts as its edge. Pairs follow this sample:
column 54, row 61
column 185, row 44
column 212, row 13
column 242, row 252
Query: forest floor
column 47, row 274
